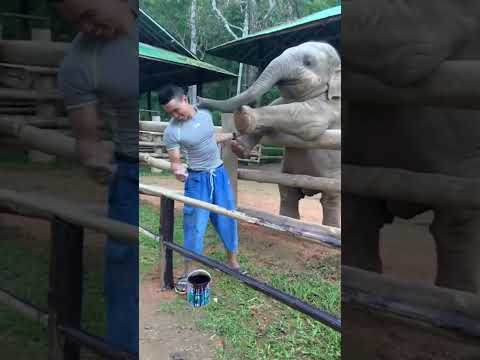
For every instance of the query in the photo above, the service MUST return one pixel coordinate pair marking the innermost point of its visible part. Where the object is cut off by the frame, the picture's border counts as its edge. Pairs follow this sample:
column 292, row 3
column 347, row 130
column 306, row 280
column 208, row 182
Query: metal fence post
column 65, row 291
column 167, row 221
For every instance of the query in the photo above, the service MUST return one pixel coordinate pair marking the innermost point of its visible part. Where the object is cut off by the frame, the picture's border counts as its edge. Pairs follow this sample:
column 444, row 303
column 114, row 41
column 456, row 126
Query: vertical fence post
column 65, row 292
column 167, row 221
column 228, row 156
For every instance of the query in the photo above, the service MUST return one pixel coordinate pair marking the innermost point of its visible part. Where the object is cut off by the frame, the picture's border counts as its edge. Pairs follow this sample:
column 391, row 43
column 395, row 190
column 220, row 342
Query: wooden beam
column 298, row 181
column 23, row 308
column 230, row 159
column 440, row 307
column 154, row 162
column 47, row 141
column 25, row 94
column 33, row 53
column 331, row 139
column 69, row 212
column 167, row 226
column 320, row 234
column 404, row 185
column 42, row 70
column 155, row 190
column 462, row 77
column 66, row 285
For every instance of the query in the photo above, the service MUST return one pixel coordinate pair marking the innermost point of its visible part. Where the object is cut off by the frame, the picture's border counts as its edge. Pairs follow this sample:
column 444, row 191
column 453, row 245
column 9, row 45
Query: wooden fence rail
column 63, row 319
column 167, row 225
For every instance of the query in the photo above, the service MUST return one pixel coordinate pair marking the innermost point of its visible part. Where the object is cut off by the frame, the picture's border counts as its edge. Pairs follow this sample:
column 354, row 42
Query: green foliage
column 211, row 30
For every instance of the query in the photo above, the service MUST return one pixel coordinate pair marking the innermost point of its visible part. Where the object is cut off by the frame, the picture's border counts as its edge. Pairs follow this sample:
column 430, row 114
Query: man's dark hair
column 169, row 92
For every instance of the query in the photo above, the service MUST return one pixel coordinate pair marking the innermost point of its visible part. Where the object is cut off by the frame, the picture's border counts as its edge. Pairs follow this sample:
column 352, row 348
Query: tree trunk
column 192, row 90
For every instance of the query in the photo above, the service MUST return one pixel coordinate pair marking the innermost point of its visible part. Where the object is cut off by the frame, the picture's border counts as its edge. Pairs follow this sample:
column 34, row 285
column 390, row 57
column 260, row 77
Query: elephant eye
column 307, row 61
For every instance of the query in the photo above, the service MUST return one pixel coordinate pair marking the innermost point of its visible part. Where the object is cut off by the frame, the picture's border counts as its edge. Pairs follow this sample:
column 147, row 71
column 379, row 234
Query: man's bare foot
column 244, row 120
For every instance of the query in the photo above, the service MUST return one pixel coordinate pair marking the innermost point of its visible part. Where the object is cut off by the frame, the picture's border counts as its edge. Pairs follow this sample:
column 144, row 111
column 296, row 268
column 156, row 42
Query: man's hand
column 97, row 160
column 179, row 171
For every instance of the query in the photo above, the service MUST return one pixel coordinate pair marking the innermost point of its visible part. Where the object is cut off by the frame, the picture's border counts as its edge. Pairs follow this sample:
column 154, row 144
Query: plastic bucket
column 198, row 288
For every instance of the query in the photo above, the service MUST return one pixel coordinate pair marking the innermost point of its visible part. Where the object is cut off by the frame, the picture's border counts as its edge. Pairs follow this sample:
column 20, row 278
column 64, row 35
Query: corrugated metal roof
column 260, row 48
column 154, row 34
column 158, row 66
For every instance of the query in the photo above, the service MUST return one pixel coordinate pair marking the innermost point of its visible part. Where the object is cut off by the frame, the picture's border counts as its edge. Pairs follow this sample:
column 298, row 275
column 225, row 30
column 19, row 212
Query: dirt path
column 165, row 336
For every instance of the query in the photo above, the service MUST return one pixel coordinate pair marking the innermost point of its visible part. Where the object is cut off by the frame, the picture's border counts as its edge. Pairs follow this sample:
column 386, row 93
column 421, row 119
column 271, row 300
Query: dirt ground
column 407, row 249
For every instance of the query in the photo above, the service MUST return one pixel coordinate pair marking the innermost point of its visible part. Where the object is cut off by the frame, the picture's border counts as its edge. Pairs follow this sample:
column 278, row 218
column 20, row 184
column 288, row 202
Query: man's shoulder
column 172, row 123
column 204, row 112
column 81, row 49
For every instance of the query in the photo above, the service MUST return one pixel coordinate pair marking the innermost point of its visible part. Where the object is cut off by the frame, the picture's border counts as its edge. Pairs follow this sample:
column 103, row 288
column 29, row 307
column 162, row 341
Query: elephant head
column 301, row 72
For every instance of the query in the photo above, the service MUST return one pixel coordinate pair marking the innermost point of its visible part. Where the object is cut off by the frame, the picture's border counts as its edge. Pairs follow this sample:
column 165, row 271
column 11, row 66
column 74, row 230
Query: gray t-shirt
column 106, row 73
column 196, row 139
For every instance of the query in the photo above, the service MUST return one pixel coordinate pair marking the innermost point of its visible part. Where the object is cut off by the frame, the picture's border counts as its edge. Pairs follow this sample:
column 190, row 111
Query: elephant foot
column 240, row 149
column 244, row 120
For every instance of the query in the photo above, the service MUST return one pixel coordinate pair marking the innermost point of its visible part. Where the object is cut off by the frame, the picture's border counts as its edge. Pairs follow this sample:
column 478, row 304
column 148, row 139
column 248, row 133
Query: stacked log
column 28, row 85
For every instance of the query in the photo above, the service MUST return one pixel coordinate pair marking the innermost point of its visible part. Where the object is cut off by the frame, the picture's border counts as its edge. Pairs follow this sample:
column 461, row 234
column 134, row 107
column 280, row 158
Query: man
column 206, row 179
column 99, row 81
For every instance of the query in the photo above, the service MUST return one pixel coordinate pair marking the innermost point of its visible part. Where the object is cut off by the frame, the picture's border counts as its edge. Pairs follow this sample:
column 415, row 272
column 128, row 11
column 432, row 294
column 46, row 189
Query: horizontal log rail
column 24, row 308
column 42, row 70
column 46, row 95
column 440, row 307
column 301, row 181
column 65, row 291
column 41, row 53
column 49, row 206
column 48, row 141
column 167, row 226
column 325, row 234
column 293, row 180
column 404, row 185
column 331, row 139
column 320, row 234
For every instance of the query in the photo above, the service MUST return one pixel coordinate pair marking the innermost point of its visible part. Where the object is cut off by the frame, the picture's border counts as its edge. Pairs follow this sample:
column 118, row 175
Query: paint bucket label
column 198, row 288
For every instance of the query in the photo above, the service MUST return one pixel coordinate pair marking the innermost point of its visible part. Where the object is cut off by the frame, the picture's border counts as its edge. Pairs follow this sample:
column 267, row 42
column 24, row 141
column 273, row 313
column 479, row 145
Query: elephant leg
column 362, row 219
column 332, row 211
column 457, row 236
column 301, row 120
column 289, row 198
column 244, row 144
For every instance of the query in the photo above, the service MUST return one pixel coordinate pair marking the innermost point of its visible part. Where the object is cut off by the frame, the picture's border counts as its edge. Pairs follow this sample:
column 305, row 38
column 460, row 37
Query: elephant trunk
column 267, row 79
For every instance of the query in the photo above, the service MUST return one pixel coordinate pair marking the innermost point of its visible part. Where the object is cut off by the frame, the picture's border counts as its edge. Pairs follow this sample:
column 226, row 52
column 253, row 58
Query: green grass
column 252, row 325
column 24, row 271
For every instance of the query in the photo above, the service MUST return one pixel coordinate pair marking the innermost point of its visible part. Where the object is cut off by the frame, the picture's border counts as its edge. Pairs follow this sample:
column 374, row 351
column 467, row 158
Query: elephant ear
column 335, row 85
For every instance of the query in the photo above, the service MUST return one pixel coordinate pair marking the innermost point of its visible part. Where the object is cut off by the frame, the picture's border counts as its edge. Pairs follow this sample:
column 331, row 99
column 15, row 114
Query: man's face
column 179, row 108
column 96, row 18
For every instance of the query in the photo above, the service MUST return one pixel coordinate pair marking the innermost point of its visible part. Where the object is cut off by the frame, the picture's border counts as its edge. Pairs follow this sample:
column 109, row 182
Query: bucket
column 198, row 288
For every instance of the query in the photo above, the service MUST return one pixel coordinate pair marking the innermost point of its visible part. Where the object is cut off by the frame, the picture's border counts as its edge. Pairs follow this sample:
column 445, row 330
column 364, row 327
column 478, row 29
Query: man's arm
column 176, row 165
column 222, row 137
column 92, row 153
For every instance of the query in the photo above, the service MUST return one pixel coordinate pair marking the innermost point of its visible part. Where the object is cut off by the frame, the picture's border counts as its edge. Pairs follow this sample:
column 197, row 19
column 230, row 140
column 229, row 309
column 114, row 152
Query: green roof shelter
column 152, row 33
column 260, row 48
column 159, row 66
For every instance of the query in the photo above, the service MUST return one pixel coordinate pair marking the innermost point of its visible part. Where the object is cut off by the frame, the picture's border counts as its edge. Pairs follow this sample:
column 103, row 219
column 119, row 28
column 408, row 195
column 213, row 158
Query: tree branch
column 271, row 9
column 227, row 25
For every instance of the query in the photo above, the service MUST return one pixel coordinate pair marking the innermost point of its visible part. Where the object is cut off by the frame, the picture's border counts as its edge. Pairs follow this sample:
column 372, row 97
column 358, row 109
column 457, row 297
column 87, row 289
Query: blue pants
column 121, row 262
column 212, row 187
